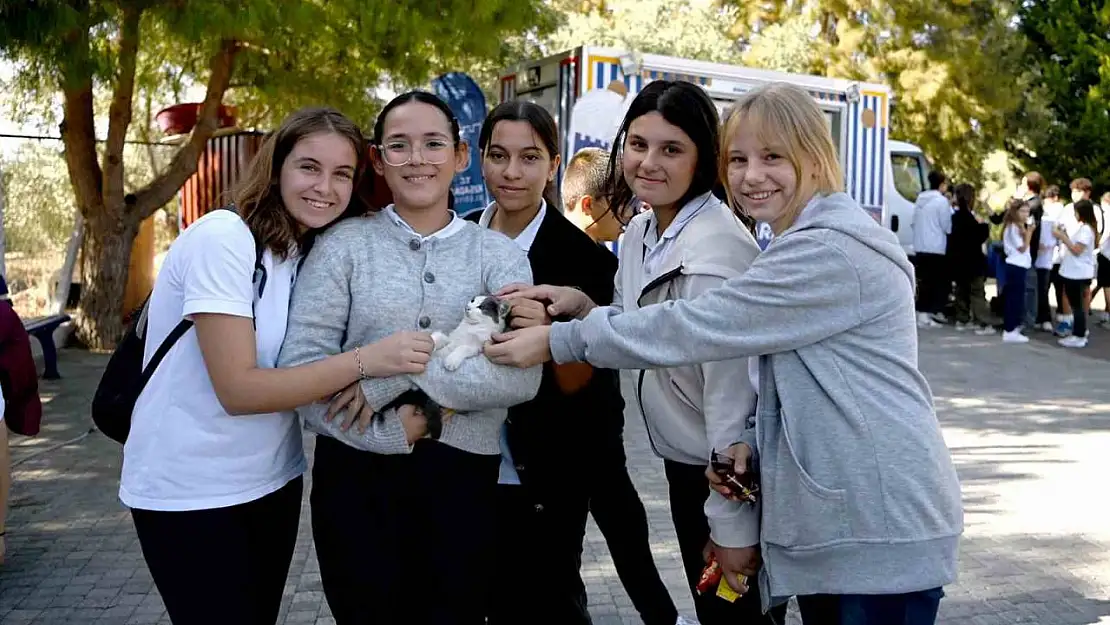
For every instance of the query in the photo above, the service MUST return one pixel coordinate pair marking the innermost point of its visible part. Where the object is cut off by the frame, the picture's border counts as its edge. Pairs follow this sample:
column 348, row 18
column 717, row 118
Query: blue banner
column 467, row 101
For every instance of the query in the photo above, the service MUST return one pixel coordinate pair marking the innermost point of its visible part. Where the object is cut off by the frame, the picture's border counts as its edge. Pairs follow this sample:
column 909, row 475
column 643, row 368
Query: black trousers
column 552, row 533
column 1075, row 290
column 621, row 517
column 539, row 557
column 688, row 488
column 405, row 538
column 1044, row 281
column 934, row 283
column 223, row 565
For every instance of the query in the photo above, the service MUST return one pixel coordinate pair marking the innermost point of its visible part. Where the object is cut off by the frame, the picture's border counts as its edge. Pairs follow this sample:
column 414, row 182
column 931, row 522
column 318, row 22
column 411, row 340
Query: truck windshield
column 909, row 175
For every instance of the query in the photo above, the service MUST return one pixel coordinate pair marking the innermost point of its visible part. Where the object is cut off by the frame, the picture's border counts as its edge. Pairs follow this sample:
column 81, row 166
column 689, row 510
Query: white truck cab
column 907, row 176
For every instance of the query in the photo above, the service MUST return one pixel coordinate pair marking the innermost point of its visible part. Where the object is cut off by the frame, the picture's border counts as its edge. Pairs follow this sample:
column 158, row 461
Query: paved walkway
column 1029, row 426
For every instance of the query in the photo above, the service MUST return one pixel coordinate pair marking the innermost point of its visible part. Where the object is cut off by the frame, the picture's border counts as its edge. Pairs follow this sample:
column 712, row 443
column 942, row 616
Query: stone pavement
column 1029, row 426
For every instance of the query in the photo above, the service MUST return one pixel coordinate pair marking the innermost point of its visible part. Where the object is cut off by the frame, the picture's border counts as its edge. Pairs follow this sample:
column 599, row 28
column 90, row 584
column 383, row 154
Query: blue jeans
column 914, row 608
column 1014, row 296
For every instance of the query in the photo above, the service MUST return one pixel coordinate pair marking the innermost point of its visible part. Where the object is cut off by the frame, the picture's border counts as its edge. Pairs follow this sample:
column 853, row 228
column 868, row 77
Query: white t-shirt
column 184, row 451
column 1080, row 266
column 1011, row 241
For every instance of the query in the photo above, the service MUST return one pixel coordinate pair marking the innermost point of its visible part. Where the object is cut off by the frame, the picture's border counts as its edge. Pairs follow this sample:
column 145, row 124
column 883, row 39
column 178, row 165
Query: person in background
column 1103, row 316
column 585, row 199
column 1048, row 259
column 1016, row 237
column 968, row 264
column 20, row 406
column 1065, row 316
column 932, row 223
column 1078, row 266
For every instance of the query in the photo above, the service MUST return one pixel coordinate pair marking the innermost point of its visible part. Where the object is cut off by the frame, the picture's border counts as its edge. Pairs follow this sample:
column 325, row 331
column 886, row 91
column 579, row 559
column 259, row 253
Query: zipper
column 643, row 413
column 656, row 283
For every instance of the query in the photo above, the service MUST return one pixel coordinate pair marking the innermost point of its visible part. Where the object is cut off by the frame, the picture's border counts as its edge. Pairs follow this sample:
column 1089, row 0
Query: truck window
column 909, row 177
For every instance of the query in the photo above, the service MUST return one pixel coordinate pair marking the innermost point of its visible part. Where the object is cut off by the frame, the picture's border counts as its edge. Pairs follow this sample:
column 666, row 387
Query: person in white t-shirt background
column 1017, row 233
column 212, row 468
column 1048, row 259
column 1103, row 272
column 1077, row 267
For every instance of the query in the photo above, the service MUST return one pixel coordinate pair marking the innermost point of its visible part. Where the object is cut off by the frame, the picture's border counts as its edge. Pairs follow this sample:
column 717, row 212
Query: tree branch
column 119, row 112
column 78, row 128
column 184, row 164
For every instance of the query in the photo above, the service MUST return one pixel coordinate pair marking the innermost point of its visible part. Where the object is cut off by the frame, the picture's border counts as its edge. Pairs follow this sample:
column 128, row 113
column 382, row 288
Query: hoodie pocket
column 799, row 512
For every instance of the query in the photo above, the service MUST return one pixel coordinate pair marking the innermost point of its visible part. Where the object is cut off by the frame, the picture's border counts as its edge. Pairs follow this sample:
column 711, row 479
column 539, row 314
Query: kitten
column 485, row 315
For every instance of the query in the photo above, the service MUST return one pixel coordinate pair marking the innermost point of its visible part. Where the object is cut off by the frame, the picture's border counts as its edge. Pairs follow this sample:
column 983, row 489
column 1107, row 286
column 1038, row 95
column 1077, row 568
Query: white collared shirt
column 507, row 474
column 527, row 236
column 452, row 227
column 655, row 246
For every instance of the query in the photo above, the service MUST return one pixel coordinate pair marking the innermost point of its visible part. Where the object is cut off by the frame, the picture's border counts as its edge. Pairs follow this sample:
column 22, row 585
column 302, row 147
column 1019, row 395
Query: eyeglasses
column 400, row 153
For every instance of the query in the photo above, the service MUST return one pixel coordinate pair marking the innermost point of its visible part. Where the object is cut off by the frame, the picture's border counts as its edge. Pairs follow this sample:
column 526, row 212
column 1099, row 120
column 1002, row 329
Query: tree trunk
column 104, row 263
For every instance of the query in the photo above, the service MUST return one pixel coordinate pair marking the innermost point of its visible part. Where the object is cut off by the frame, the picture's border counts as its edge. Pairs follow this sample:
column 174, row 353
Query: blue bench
column 43, row 330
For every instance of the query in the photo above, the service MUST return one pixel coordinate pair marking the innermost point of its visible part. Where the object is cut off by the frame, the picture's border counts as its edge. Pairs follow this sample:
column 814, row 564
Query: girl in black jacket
column 968, row 264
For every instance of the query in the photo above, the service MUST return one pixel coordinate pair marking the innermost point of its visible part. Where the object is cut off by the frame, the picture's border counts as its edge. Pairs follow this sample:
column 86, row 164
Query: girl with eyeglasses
column 403, row 523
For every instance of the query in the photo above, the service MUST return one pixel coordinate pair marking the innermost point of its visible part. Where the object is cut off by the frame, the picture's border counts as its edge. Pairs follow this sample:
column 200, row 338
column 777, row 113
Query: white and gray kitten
column 485, row 316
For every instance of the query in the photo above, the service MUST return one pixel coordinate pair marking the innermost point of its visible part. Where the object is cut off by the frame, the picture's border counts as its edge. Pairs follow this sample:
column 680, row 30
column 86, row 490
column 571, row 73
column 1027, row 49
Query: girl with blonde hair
column 861, row 513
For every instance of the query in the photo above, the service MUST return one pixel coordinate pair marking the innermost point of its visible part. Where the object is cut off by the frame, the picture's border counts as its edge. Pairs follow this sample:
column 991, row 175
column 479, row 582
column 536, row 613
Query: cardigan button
column 414, row 244
column 425, row 321
column 429, row 277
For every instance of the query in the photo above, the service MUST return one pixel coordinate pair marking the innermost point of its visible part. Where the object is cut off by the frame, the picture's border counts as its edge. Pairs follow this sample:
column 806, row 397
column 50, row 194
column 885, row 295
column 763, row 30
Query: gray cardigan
column 860, row 495
column 369, row 277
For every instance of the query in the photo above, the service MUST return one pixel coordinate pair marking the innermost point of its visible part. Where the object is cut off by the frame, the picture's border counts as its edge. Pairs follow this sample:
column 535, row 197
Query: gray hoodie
column 860, row 495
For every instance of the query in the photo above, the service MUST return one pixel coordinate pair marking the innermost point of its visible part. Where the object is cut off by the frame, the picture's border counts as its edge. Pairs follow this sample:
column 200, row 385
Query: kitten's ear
column 503, row 308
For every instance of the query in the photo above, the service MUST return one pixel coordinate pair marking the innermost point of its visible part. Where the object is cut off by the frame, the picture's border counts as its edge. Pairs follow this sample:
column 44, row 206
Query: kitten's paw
column 454, row 360
column 439, row 339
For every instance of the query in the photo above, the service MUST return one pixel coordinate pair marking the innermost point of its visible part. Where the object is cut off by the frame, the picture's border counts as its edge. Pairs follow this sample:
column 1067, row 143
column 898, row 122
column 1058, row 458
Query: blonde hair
column 587, row 173
column 786, row 117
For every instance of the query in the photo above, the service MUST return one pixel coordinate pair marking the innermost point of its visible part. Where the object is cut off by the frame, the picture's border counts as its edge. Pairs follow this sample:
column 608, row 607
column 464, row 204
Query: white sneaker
column 1047, row 327
column 1014, row 336
column 1073, row 341
column 963, row 327
column 985, row 331
column 682, row 620
column 926, row 321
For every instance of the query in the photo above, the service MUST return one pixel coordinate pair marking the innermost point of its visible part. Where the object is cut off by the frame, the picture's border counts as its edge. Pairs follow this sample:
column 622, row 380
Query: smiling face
column 658, row 160
column 421, row 134
column 761, row 178
column 317, row 179
column 517, row 166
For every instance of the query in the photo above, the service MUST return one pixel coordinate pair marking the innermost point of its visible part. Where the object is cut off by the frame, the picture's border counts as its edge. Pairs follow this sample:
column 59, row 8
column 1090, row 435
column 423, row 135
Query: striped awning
column 697, row 80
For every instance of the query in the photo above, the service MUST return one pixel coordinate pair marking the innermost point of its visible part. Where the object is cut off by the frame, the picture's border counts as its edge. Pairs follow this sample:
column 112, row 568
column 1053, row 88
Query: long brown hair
column 1011, row 216
column 258, row 196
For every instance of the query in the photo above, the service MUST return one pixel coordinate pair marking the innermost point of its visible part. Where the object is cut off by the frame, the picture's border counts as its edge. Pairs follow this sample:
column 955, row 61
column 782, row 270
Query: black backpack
column 125, row 378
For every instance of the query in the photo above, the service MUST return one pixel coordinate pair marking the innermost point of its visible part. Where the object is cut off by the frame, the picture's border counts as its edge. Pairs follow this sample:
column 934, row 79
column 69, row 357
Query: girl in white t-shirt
column 212, row 468
column 1016, row 236
column 1077, row 267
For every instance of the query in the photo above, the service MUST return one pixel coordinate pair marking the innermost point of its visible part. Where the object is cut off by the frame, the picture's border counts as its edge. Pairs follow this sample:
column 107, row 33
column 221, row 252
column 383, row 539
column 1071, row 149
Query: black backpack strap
column 163, row 349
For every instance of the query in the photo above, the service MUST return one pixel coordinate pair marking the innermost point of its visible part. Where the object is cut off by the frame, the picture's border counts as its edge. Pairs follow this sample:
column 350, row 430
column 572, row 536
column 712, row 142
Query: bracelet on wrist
column 358, row 361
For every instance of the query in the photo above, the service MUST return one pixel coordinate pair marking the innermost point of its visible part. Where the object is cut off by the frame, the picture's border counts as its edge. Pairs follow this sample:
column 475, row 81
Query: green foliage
column 39, row 210
column 293, row 53
column 1068, row 135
